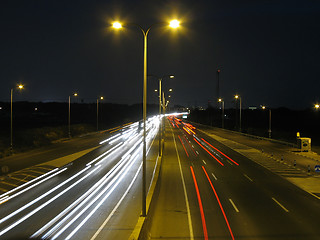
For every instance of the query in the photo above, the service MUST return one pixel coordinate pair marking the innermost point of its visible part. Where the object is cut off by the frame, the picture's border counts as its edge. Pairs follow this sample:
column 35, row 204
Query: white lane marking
column 234, row 206
column 229, row 162
column 184, row 190
column 280, row 205
column 248, row 177
column 214, row 176
column 197, row 152
column 117, row 206
column 204, row 162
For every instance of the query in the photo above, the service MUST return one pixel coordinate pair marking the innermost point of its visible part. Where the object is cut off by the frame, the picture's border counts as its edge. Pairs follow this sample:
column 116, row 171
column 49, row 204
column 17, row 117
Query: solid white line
column 204, row 162
column 234, row 206
column 117, row 206
column 280, row 205
column 248, row 177
column 214, row 176
column 184, row 189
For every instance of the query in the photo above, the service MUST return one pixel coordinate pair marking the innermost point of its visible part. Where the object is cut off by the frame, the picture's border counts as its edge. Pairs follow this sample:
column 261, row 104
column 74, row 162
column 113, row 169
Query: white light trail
column 27, row 183
column 45, row 204
column 105, row 153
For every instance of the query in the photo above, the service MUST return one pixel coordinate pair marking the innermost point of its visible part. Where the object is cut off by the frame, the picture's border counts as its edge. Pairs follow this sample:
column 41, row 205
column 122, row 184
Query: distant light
column 171, row 76
column 236, row 96
column 75, row 94
column 317, row 106
column 20, row 86
column 263, row 107
column 170, row 90
column 101, row 98
column 0, row 108
column 156, row 90
column 220, row 100
column 117, row 25
column 36, row 109
column 174, row 23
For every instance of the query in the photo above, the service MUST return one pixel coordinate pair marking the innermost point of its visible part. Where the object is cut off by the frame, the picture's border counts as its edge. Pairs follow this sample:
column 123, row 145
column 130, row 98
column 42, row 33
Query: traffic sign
column 317, row 168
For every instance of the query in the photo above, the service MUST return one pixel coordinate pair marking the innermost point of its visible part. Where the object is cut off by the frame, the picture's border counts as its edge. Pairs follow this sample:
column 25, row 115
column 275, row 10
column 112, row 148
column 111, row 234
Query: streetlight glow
column 174, row 23
column 20, row 86
column 117, row 25
column 317, row 106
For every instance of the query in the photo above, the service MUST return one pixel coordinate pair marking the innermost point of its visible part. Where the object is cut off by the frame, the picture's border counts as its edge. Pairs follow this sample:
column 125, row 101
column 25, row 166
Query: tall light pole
column 69, row 115
column 101, row 98
column 20, row 86
column 160, row 93
column 222, row 112
column 238, row 97
column 269, row 129
column 118, row 25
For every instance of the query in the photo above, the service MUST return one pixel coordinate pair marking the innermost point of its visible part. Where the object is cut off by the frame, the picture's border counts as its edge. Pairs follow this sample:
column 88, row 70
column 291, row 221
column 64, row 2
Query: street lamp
column 117, row 25
column 220, row 100
column 69, row 114
column 269, row 130
column 317, row 106
column 238, row 97
column 160, row 93
column 20, row 87
column 101, row 98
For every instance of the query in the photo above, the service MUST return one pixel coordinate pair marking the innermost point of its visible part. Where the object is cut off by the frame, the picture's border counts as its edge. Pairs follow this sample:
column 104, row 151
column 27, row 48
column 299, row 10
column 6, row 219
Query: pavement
column 284, row 159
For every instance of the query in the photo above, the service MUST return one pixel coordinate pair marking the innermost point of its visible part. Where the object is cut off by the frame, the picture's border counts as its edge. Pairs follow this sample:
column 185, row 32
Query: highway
column 209, row 191
column 98, row 196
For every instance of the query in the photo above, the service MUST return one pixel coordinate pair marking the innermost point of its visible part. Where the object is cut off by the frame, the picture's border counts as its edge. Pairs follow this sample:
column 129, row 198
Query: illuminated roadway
column 209, row 191
column 96, row 197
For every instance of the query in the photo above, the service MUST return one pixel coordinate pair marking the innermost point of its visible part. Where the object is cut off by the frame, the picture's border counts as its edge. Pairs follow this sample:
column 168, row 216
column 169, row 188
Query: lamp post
column 238, row 97
column 20, row 87
column 220, row 100
column 101, row 98
column 269, row 129
column 118, row 25
column 160, row 93
column 69, row 115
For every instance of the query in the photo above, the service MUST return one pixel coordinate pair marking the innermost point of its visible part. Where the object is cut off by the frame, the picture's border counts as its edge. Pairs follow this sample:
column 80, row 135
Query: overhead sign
column 317, row 168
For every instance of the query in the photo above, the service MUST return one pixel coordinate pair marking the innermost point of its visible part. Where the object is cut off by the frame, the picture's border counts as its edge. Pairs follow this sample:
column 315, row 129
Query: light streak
column 45, row 204
column 29, row 182
column 30, row 187
column 204, row 225
column 183, row 146
column 118, row 204
column 114, row 136
column 216, row 195
column 220, row 152
column 105, row 153
column 209, row 152
column 102, row 200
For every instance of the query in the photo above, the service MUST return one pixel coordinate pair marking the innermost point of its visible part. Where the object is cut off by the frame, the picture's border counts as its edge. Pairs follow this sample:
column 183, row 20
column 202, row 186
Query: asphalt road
column 98, row 196
column 209, row 191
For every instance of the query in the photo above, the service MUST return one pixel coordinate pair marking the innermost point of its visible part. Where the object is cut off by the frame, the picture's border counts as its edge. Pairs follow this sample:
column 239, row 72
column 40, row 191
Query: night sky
column 268, row 51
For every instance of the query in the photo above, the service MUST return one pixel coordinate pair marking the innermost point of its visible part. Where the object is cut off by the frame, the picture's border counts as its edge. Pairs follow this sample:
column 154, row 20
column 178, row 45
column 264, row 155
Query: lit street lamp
column 118, row 25
column 317, row 106
column 20, row 87
column 238, row 97
column 220, row 100
column 69, row 115
column 160, row 93
column 269, row 130
column 101, row 98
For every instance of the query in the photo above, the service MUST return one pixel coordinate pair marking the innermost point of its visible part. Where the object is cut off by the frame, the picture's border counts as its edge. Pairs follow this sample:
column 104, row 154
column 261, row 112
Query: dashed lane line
column 280, row 205
column 234, row 206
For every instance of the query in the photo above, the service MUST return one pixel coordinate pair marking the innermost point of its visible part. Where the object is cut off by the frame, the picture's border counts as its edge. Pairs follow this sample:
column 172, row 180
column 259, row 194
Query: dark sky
column 268, row 51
